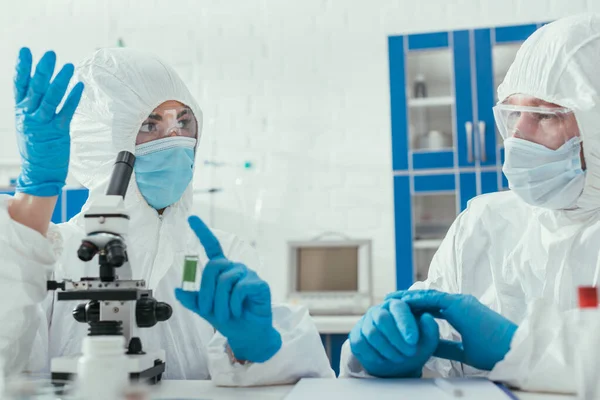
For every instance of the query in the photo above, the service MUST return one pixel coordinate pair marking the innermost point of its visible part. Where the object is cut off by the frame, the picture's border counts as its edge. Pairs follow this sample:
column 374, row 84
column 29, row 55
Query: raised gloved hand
column 42, row 134
column 234, row 300
column 389, row 341
column 486, row 335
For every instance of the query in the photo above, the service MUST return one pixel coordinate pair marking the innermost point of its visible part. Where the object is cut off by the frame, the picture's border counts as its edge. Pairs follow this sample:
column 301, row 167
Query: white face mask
column 543, row 177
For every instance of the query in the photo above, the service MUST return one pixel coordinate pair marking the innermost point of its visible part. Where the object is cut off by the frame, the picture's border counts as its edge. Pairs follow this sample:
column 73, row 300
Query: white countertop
column 184, row 390
column 335, row 324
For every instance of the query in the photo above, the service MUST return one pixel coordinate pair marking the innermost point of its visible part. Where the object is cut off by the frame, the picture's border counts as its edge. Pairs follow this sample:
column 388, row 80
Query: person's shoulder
column 497, row 202
column 498, row 210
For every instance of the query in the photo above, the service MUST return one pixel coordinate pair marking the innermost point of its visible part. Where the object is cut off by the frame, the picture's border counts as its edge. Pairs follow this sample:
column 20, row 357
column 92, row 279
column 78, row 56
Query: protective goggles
column 168, row 123
column 548, row 126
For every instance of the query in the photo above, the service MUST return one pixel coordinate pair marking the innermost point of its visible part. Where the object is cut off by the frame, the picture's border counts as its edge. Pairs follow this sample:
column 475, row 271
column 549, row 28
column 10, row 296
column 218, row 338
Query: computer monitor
column 331, row 276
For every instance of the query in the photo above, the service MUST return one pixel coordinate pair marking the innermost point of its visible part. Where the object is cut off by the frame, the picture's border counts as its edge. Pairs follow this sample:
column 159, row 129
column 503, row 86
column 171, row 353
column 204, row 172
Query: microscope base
column 147, row 367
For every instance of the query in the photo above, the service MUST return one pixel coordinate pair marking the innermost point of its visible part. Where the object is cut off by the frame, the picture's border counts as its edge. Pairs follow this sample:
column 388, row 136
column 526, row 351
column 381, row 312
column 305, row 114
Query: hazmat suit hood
column 559, row 64
column 122, row 87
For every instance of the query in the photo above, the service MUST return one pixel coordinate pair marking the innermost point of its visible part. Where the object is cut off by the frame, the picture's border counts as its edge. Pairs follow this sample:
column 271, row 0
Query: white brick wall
column 298, row 87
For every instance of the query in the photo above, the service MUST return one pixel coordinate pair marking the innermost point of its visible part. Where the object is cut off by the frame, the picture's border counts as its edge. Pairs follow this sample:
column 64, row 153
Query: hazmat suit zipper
column 155, row 249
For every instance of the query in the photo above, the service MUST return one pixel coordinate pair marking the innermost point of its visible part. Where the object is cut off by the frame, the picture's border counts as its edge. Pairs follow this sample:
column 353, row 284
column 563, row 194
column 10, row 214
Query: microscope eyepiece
column 121, row 174
column 116, row 255
column 87, row 250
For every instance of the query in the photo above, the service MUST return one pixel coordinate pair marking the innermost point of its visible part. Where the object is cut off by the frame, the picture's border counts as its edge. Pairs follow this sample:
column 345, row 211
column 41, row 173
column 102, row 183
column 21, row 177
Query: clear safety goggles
column 551, row 127
column 162, row 123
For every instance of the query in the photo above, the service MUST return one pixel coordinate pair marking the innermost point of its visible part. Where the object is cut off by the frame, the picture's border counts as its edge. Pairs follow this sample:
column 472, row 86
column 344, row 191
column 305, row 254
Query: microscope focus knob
column 89, row 312
column 148, row 312
column 79, row 313
column 163, row 311
column 144, row 312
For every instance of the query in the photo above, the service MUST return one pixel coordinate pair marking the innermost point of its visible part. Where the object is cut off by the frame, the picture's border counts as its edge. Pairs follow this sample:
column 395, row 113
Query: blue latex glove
column 486, row 335
column 234, row 300
column 389, row 341
column 43, row 134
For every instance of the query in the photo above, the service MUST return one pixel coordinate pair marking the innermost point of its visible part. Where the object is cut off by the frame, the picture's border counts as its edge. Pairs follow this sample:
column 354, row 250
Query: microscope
column 112, row 306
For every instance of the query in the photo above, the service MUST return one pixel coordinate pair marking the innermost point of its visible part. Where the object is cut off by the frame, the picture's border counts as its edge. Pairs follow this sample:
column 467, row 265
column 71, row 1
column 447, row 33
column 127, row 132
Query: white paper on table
column 393, row 389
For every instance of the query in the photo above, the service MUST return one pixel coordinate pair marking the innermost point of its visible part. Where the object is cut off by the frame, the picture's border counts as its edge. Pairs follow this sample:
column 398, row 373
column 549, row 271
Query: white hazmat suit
column 122, row 87
column 522, row 261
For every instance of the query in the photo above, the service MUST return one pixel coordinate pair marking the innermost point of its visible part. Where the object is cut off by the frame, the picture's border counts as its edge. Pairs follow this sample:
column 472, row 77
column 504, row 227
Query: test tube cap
column 588, row 296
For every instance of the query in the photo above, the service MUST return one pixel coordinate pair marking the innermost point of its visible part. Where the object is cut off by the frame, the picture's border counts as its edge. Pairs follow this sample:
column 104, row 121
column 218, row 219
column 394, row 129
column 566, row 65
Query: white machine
column 114, row 306
column 331, row 277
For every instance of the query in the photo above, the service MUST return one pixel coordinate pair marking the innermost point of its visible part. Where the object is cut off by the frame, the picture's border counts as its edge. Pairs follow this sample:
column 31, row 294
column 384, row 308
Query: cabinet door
column 430, row 101
column 424, row 209
column 486, row 98
column 489, row 181
column 399, row 119
column 464, row 98
column 403, row 232
column 434, row 208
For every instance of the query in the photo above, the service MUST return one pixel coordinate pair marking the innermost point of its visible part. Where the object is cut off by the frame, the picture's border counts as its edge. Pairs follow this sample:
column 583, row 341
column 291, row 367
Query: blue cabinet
column 445, row 147
column 69, row 203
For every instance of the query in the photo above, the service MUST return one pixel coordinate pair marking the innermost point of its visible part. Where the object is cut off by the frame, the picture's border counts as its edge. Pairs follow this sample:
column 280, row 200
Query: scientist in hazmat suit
column 133, row 101
column 503, row 283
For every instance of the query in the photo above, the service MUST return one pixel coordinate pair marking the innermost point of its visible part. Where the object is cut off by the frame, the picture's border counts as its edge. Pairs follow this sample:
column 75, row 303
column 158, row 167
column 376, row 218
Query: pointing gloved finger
column 39, row 82
column 405, row 321
column 208, row 285
column 70, row 105
column 377, row 340
column 225, row 284
column 207, row 238
column 22, row 74
column 386, row 324
column 188, row 299
column 54, row 94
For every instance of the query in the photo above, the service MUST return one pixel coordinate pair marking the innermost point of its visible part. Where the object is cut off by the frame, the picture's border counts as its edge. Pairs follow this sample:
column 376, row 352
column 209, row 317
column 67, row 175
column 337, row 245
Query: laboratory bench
column 335, row 324
column 206, row 390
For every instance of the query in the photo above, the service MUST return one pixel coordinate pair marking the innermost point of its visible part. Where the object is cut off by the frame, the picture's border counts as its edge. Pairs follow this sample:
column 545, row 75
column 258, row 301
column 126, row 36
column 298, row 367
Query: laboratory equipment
column 420, row 88
column 420, row 117
column 330, row 277
column 114, row 306
column 586, row 355
column 438, row 140
column 102, row 371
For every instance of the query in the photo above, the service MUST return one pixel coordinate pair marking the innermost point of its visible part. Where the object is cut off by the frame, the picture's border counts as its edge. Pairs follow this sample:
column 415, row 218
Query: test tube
column 586, row 360
column 190, row 266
